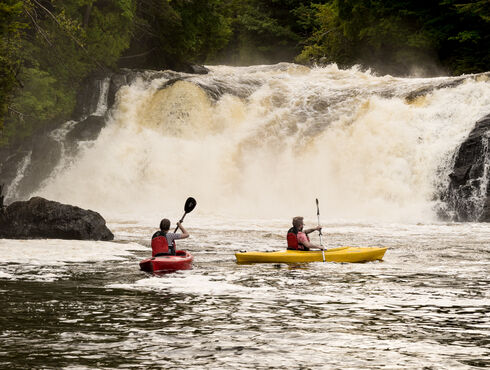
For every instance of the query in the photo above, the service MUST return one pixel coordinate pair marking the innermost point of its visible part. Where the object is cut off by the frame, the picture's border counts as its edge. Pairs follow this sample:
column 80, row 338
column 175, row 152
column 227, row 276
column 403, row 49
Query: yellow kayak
column 342, row 254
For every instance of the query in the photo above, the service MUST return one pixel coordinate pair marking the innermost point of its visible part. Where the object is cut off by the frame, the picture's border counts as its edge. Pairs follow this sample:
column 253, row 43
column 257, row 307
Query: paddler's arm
column 311, row 245
column 184, row 234
column 318, row 228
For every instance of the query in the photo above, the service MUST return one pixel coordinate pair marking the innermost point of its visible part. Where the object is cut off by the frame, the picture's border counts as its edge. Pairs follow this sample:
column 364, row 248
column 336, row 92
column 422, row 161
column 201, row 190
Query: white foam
column 5, row 275
column 190, row 282
column 58, row 252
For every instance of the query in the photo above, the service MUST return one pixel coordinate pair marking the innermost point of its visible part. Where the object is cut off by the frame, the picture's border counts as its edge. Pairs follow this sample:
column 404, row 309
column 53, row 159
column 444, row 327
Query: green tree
column 263, row 32
column 64, row 41
column 171, row 33
column 11, row 26
column 465, row 36
column 394, row 36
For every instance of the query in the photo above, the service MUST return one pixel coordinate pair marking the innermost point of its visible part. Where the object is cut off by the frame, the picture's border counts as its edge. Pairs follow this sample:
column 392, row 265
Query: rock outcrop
column 34, row 159
column 42, row 218
column 88, row 129
column 468, row 195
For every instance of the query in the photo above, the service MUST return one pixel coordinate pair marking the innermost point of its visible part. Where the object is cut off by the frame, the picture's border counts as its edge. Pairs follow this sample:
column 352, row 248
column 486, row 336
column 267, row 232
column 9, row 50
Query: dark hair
column 297, row 221
column 165, row 224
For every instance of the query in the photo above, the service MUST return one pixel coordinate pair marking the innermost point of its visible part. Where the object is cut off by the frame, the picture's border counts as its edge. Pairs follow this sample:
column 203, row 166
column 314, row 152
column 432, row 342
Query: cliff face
column 468, row 195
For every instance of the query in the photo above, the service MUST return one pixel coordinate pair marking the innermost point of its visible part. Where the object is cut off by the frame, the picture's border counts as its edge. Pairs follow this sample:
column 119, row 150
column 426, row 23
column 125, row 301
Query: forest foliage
column 48, row 47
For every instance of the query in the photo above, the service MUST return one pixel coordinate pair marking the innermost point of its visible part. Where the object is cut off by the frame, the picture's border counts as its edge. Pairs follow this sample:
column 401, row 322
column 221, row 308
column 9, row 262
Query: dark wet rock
column 88, row 129
column 28, row 164
column 453, row 82
column 122, row 78
column 186, row 67
column 468, row 195
column 45, row 156
column 10, row 162
column 88, row 95
column 422, row 91
column 197, row 69
column 42, row 218
column 2, row 197
column 117, row 81
column 172, row 81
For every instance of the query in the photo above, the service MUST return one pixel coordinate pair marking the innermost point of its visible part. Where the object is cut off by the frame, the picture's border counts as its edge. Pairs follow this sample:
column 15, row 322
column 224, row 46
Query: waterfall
column 12, row 189
column 101, row 108
column 51, row 152
column 268, row 140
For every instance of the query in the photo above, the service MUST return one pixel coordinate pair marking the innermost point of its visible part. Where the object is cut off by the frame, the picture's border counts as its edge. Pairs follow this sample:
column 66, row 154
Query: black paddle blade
column 317, row 207
column 190, row 204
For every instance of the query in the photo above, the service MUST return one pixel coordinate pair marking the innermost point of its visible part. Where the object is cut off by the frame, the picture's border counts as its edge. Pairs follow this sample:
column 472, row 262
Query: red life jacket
column 292, row 239
column 159, row 244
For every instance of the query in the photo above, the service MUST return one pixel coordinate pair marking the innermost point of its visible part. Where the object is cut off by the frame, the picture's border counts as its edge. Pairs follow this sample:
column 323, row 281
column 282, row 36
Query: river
column 82, row 304
column 255, row 146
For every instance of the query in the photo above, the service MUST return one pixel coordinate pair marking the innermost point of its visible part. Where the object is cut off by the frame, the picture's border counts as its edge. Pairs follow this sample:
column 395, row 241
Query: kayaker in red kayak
column 298, row 239
column 163, row 242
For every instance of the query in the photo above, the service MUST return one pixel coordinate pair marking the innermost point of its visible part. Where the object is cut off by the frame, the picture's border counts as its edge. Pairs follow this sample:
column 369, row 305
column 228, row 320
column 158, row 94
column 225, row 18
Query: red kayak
column 181, row 261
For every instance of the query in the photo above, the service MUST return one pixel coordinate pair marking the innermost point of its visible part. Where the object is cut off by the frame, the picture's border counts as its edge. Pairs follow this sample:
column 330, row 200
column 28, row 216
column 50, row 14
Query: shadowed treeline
column 48, row 47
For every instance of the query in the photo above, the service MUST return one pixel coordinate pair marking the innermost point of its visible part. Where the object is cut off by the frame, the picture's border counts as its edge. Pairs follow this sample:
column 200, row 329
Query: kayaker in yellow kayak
column 298, row 239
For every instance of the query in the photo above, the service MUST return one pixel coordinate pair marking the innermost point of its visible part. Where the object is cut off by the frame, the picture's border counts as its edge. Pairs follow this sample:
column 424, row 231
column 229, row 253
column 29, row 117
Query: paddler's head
column 298, row 223
column 165, row 224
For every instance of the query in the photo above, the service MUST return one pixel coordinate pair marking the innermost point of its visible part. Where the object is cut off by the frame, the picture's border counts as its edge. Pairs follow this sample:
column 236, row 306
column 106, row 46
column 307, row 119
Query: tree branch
column 68, row 33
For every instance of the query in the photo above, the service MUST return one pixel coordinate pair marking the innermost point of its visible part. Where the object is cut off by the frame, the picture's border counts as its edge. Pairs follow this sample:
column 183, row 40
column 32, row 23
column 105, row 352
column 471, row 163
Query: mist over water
column 265, row 141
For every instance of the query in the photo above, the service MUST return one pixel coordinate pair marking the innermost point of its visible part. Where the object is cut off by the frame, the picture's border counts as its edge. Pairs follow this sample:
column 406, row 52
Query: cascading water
column 268, row 140
column 101, row 107
column 50, row 155
column 11, row 192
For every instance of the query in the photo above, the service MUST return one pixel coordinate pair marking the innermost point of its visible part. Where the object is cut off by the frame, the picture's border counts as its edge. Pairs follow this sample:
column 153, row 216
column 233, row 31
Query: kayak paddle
column 190, row 203
column 320, row 231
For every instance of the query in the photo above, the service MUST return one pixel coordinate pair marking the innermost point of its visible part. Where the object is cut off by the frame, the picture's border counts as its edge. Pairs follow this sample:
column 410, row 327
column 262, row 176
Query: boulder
column 42, row 218
column 198, row 69
column 468, row 195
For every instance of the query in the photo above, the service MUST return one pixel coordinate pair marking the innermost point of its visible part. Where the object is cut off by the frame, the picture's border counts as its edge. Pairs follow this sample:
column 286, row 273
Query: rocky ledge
column 468, row 196
column 42, row 218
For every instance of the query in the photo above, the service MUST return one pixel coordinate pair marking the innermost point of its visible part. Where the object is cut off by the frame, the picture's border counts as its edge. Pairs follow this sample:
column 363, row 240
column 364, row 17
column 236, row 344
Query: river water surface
column 81, row 304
